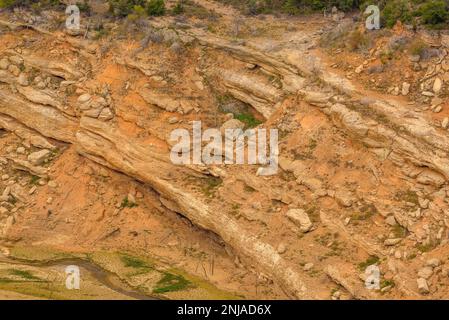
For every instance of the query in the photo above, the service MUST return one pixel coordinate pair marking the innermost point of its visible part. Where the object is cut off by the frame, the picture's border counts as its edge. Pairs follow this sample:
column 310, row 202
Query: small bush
column 417, row 48
column 358, row 41
column 396, row 10
column 434, row 12
column 156, row 8
column 122, row 8
column 28, row 3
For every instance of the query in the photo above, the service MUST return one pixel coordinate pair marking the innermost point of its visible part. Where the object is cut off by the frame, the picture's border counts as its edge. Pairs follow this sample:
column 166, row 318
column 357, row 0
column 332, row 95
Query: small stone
column 425, row 272
column 16, row 60
column 39, row 157
column 445, row 122
column 23, row 80
column 415, row 58
column 131, row 198
column 232, row 124
column 281, row 248
column 14, row 70
column 390, row 220
column 438, row 109
column 106, row 114
column 423, row 287
column 308, row 266
column 5, row 177
column 4, row 64
column 84, row 98
column 52, row 184
column 398, row 254
column 300, row 218
column 392, row 242
column 32, row 190
column 173, row 120
column 359, row 69
column 437, row 85
column 405, row 88
column 427, row 94
column 41, row 85
column 20, row 150
column 435, row 262
column 423, row 203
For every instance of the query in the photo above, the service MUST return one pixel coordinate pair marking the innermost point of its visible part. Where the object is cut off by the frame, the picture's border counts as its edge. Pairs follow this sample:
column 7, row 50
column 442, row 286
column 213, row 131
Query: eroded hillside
column 85, row 163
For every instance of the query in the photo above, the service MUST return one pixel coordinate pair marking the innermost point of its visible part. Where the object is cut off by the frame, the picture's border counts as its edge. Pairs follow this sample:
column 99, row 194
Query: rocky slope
column 362, row 179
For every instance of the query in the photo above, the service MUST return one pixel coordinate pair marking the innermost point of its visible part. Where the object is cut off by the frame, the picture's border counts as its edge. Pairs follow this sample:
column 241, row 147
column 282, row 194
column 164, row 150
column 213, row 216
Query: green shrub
column 396, row 10
column 156, row 7
column 7, row 3
column 28, row 3
column 84, row 6
column 122, row 8
column 434, row 12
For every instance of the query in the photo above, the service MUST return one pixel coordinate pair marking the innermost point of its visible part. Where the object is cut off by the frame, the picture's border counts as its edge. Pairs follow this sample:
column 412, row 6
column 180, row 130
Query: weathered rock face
column 117, row 126
column 101, row 141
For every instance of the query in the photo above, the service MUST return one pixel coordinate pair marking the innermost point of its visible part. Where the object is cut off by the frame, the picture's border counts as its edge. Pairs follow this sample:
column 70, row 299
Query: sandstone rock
column 445, row 122
column 131, row 198
column 232, row 124
column 392, row 242
column 38, row 157
column 52, row 184
column 4, row 64
column 23, row 80
column 435, row 262
column 14, row 70
column 405, row 88
column 390, row 220
column 16, row 60
column 423, row 287
column 20, row 150
column 173, row 120
column 429, row 177
column 344, row 198
column 41, row 85
column 438, row 109
column 415, row 58
column 106, row 114
column 423, row 203
column 281, row 248
column 92, row 113
column 425, row 272
column 300, row 218
column 308, row 266
column 437, row 85
column 359, row 69
column 84, row 98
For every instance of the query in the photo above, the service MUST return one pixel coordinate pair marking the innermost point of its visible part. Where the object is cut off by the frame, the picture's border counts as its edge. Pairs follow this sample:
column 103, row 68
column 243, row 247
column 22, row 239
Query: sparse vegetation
column 126, row 203
column 23, row 274
column 248, row 119
column 133, row 262
column 210, row 185
column 366, row 211
column 155, row 7
column 368, row 262
column 171, row 282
